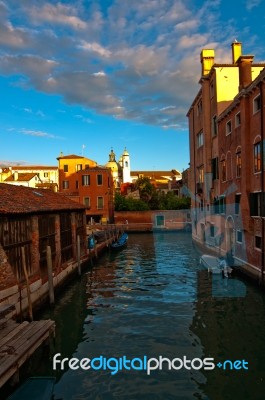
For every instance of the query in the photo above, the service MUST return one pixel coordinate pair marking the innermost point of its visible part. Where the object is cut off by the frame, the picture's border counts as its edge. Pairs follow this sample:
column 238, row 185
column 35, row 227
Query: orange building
column 88, row 183
column 226, row 124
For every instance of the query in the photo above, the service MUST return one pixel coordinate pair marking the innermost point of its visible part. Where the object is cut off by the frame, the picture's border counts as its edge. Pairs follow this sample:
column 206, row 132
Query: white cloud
column 100, row 73
column 37, row 133
column 250, row 4
column 57, row 14
column 134, row 60
column 96, row 48
column 192, row 40
column 83, row 119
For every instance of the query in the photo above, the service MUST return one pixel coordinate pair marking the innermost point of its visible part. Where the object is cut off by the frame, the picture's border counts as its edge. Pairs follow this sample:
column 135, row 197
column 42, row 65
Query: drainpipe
column 262, row 183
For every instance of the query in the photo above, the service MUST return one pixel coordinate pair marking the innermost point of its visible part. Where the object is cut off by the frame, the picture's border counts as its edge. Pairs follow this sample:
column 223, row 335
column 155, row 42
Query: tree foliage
column 129, row 204
column 150, row 199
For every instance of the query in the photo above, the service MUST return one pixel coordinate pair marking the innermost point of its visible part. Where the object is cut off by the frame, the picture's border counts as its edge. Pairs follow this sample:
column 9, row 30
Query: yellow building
column 45, row 177
column 68, row 166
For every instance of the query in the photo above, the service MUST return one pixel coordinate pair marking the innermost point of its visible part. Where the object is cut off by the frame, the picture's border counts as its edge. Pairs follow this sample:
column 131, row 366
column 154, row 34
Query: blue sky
column 84, row 76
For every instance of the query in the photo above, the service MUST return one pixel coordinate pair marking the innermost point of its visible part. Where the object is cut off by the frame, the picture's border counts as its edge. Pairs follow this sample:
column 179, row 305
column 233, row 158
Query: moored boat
column 216, row 265
column 120, row 243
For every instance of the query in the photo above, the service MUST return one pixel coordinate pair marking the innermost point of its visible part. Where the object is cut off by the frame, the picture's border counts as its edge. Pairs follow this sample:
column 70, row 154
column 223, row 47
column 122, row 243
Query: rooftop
column 23, row 200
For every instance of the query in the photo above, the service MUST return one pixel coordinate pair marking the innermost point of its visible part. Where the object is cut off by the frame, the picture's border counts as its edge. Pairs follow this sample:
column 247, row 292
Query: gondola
column 120, row 243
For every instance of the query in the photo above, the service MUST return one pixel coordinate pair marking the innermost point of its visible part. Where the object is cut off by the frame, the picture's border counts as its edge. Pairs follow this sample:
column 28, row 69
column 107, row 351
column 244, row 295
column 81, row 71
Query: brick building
column 226, row 124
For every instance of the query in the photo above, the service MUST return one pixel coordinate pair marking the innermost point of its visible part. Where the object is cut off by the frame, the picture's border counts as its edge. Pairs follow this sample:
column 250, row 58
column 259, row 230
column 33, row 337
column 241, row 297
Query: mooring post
column 50, row 275
column 27, row 282
column 78, row 255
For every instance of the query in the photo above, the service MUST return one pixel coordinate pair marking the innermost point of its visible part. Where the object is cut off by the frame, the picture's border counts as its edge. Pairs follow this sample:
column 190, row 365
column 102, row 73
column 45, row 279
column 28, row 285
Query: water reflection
column 153, row 299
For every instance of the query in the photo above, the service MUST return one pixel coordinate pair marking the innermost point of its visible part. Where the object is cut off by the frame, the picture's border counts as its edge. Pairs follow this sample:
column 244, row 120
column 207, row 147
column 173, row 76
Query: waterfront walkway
column 18, row 342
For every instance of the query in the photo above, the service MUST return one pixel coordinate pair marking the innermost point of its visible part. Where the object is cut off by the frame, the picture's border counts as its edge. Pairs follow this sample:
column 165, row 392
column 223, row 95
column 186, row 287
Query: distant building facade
column 121, row 170
column 45, row 177
column 226, row 124
column 87, row 183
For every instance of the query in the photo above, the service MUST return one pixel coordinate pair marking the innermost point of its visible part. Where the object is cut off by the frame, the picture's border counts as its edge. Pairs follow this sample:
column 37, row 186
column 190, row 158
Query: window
column 65, row 168
column 201, row 204
column 199, row 139
column 256, row 104
column 222, row 205
column 228, row 127
column 239, row 236
column 86, row 166
column 215, row 171
column 238, row 164
column 237, row 119
column 65, row 184
column 212, row 229
column 223, row 170
column 85, row 180
column 76, row 184
column 255, row 204
column 211, row 89
column 214, row 126
column 126, row 164
column 78, row 167
column 199, row 108
column 237, row 203
column 229, row 174
column 99, row 179
column 257, row 158
column 201, row 174
column 258, row 242
column 46, row 174
column 86, row 201
column 100, row 202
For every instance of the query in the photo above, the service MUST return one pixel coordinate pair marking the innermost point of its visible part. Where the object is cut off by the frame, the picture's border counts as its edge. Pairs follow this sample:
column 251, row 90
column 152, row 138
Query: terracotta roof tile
column 22, row 177
column 19, row 200
column 32, row 167
column 70, row 156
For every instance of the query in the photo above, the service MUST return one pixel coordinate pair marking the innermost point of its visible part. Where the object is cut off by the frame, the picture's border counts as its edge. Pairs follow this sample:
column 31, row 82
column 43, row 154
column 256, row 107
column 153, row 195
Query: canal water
column 154, row 300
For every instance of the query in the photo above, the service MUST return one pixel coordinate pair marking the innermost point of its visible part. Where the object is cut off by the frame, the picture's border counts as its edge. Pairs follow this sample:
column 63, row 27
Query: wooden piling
column 50, row 275
column 78, row 255
column 27, row 282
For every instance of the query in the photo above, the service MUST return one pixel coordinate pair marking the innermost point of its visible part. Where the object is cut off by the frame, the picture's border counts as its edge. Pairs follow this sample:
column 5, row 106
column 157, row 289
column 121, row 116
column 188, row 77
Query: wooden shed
column 33, row 219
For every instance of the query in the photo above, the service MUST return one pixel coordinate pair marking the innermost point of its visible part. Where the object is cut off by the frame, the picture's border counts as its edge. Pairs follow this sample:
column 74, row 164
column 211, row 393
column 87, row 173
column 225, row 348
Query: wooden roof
column 24, row 200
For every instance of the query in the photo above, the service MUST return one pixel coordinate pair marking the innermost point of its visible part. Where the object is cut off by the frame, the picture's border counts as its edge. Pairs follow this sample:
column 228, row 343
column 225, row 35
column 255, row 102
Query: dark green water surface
column 152, row 299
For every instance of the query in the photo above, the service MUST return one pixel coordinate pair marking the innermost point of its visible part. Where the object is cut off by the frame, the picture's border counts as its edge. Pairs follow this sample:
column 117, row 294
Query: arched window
column 223, row 168
column 257, row 154
column 238, row 162
column 229, row 175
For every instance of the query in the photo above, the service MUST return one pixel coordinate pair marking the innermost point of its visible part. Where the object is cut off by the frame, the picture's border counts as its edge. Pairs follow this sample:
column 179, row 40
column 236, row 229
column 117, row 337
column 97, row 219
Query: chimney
column 236, row 51
column 207, row 61
column 245, row 76
column 15, row 175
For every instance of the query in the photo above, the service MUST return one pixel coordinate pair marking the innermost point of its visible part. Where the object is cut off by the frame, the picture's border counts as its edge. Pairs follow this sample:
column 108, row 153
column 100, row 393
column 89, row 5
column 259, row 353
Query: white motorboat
column 216, row 265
